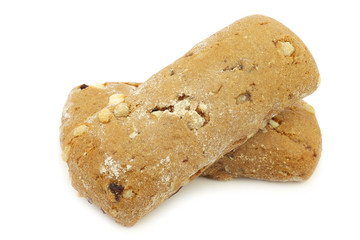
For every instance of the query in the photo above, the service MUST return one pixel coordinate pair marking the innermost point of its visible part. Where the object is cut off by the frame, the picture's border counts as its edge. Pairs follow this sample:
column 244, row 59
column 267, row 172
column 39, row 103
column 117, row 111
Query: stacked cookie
column 230, row 107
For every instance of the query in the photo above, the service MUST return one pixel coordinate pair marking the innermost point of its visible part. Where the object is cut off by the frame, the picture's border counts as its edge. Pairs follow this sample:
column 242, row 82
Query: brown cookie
column 287, row 149
column 175, row 125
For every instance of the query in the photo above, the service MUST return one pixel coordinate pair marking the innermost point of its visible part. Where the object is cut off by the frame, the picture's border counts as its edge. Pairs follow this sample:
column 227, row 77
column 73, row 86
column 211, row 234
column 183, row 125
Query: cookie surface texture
column 186, row 116
column 287, row 149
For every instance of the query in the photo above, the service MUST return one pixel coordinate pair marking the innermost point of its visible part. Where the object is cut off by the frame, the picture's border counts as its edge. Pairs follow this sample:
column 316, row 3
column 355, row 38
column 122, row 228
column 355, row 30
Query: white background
column 48, row 47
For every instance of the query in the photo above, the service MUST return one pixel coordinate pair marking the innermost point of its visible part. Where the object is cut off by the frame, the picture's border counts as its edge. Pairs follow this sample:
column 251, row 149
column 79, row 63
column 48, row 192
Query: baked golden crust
column 188, row 115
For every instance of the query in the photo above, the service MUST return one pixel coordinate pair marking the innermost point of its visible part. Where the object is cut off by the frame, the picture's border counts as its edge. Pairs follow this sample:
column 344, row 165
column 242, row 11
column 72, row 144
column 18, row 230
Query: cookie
column 287, row 149
column 186, row 116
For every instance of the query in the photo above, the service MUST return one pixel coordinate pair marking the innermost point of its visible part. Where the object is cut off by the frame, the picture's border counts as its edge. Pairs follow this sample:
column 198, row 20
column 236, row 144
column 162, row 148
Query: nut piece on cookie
column 196, row 121
column 202, row 107
column 246, row 96
column 287, row 48
column 157, row 114
column 240, row 99
column 308, row 107
column 134, row 134
column 121, row 110
column 116, row 98
column 104, row 115
column 128, row 194
column 80, row 130
column 273, row 124
column 98, row 85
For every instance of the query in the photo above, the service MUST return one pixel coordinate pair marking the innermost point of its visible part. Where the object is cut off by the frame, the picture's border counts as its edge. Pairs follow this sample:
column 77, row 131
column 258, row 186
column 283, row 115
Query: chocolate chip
column 83, row 86
column 116, row 190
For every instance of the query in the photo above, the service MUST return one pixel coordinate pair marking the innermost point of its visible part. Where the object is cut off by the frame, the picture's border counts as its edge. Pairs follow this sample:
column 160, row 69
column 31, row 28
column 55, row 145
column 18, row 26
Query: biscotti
column 176, row 124
column 286, row 149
